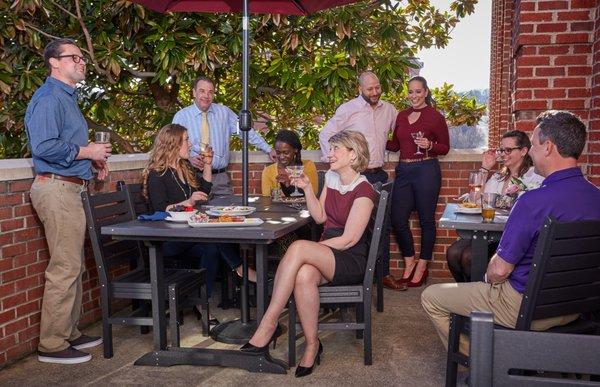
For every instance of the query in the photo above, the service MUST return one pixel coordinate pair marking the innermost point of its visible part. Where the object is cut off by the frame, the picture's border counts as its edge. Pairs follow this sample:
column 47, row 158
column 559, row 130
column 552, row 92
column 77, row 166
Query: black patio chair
column 358, row 295
column 564, row 279
column 123, row 274
column 139, row 202
column 497, row 353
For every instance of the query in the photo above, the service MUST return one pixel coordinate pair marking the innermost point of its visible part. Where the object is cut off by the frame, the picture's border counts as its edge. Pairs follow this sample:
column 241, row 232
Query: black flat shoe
column 304, row 371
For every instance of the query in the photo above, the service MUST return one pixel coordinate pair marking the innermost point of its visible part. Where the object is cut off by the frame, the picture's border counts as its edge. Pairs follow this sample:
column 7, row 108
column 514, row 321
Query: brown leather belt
column 70, row 179
column 416, row 160
column 373, row 170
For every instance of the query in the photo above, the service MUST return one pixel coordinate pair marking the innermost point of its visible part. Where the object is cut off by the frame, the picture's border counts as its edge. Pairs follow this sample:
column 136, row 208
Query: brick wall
column 24, row 254
column 551, row 63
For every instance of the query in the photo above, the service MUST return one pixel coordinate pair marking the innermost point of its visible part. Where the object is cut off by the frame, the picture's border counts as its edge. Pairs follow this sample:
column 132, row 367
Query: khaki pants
column 59, row 207
column 501, row 299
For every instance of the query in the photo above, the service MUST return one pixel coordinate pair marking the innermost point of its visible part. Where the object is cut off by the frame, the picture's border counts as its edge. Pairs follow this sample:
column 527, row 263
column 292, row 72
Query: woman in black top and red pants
column 418, row 176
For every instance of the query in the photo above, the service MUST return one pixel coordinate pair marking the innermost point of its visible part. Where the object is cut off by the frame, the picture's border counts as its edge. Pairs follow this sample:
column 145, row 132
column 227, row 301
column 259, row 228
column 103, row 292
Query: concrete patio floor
column 406, row 352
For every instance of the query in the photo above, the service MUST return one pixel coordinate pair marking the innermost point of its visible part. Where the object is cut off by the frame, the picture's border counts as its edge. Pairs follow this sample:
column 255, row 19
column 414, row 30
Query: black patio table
column 481, row 234
column 280, row 219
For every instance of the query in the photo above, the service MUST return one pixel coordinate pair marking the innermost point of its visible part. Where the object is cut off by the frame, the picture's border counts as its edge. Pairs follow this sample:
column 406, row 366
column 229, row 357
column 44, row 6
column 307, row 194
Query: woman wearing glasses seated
column 516, row 163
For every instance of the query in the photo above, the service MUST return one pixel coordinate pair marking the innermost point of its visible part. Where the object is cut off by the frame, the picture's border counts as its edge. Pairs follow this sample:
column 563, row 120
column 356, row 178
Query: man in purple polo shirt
column 557, row 142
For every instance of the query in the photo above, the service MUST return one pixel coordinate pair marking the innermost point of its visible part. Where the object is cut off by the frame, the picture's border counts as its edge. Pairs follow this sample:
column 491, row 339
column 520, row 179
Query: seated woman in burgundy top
column 421, row 134
column 339, row 257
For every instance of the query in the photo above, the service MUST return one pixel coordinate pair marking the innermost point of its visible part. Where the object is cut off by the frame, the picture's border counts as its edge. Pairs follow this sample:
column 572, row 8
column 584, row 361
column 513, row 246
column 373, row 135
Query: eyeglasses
column 76, row 58
column 507, row 150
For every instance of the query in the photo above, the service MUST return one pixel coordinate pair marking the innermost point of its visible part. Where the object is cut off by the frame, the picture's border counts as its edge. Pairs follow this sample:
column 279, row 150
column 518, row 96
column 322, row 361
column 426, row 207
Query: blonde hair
column 165, row 152
column 353, row 141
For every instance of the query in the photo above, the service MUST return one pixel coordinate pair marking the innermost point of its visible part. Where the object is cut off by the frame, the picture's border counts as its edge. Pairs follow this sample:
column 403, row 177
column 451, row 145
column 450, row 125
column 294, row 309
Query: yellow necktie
column 205, row 132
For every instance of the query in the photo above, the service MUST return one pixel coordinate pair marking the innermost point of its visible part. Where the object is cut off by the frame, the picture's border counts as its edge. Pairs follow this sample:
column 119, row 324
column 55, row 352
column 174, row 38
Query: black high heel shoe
column 249, row 348
column 304, row 371
column 212, row 321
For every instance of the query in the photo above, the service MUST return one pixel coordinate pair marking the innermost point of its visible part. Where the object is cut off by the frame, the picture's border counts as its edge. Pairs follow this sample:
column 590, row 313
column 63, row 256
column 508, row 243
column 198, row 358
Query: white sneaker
column 66, row 356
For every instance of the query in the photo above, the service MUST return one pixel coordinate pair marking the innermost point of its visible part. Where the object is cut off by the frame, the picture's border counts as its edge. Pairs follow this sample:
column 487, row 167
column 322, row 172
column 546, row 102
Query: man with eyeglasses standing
column 210, row 126
column 62, row 160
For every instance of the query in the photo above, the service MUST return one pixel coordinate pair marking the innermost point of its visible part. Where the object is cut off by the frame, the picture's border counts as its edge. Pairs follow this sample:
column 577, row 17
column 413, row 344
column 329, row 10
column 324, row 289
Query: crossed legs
column 304, row 267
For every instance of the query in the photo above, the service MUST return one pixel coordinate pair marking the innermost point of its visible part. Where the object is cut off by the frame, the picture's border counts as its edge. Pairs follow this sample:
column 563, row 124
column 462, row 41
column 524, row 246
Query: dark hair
column 522, row 141
column 564, row 129
column 54, row 49
column 202, row 78
column 291, row 138
column 429, row 99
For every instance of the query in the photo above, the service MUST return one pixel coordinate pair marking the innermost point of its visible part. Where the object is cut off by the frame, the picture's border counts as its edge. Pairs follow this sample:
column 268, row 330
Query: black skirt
column 350, row 264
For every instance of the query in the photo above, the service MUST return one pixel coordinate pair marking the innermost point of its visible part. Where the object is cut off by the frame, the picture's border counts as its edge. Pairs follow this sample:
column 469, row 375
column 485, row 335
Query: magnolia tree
column 141, row 63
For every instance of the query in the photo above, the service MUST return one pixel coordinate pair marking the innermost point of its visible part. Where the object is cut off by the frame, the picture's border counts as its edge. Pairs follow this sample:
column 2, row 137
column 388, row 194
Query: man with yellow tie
column 212, row 124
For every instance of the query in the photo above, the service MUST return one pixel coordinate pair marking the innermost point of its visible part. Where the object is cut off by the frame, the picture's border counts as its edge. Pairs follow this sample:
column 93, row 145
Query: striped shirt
column 223, row 123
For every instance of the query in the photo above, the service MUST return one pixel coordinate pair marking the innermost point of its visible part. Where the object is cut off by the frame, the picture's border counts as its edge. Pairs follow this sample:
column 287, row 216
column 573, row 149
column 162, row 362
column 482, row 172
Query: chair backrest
column 104, row 209
column 379, row 217
column 320, row 182
column 565, row 272
column 139, row 202
column 495, row 353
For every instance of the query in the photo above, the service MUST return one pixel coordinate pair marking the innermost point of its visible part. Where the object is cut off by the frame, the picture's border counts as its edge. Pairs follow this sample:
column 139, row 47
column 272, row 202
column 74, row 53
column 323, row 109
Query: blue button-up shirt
column 56, row 129
column 566, row 195
column 223, row 123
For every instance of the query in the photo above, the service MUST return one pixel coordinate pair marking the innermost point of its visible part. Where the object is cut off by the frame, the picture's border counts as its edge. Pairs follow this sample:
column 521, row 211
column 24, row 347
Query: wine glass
column 476, row 180
column 295, row 171
column 417, row 136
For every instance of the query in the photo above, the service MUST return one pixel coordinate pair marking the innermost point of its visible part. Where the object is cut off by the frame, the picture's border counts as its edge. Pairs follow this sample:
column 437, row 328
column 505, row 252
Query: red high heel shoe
column 409, row 278
column 421, row 282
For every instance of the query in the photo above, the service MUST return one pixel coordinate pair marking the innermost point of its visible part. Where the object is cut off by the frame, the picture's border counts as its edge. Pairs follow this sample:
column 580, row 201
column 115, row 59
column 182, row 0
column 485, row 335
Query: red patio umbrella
column 286, row 7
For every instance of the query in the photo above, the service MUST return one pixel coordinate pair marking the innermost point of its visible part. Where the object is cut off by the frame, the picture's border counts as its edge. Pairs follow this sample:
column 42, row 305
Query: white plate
column 169, row 219
column 470, row 211
column 230, row 210
column 246, row 223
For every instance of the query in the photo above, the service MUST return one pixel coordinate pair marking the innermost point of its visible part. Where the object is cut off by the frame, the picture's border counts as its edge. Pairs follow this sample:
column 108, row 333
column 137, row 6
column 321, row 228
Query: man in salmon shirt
column 375, row 119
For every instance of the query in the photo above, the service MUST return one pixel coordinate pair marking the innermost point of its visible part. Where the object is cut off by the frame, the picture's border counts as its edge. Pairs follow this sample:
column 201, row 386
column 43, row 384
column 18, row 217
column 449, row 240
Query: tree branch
column 64, row 9
column 127, row 147
column 140, row 74
column 40, row 31
column 90, row 46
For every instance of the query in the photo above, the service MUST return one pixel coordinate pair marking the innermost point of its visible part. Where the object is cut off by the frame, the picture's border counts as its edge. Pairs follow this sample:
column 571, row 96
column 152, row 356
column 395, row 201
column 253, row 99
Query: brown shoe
column 390, row 282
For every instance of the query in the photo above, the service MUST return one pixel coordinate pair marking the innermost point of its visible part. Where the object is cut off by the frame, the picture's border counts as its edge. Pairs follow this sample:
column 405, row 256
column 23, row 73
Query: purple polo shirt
column 566, row 195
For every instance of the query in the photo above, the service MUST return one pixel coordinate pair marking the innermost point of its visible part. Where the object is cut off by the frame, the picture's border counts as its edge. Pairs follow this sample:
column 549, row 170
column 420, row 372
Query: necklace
column 345, row 188
column 186, row 195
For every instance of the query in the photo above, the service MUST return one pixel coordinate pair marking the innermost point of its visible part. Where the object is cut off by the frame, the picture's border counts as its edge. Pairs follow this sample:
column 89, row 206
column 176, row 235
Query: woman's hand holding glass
column 283, row 177
column 302, row 182
column 206, row 154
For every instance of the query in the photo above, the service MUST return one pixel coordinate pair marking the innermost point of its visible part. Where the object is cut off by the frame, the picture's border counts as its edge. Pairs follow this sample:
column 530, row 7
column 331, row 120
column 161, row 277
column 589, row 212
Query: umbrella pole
column 245, row 117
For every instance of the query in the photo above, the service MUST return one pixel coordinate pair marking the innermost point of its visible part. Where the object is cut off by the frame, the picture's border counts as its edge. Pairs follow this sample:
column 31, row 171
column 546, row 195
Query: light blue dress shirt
column 223, row 123
column 56, row 129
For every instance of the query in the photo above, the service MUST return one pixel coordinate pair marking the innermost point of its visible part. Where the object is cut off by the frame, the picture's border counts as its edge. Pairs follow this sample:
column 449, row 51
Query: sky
column 465, row 62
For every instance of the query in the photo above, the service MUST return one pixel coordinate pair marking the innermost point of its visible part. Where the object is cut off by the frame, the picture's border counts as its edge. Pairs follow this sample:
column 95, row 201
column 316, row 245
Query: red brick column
column 593, row 156
column 553, row 64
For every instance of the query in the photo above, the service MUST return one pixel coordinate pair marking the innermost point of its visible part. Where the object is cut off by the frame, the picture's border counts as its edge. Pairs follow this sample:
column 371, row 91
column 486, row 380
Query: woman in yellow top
column 287, row 147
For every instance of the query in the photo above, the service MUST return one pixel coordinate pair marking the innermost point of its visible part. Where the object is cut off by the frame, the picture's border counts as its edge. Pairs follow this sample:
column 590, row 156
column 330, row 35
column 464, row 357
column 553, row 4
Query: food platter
column 202, row 220
column 468, row 208
column 290, row 200
column 230, row 210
